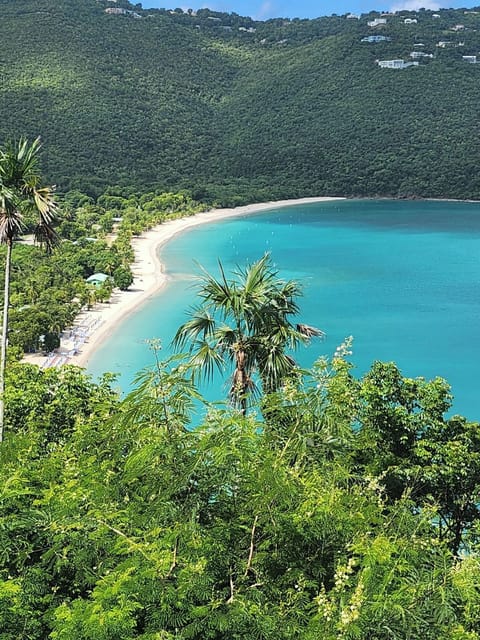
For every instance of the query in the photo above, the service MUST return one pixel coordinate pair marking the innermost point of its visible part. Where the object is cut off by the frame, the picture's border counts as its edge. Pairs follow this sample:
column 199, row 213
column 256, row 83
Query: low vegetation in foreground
column 335, row 508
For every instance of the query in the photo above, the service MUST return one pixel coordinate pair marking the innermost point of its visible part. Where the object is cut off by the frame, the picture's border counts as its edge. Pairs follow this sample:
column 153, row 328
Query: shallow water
column 402, row 277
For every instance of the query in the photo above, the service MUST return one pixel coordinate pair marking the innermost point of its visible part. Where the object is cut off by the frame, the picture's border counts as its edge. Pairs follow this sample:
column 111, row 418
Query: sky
column 265, row 9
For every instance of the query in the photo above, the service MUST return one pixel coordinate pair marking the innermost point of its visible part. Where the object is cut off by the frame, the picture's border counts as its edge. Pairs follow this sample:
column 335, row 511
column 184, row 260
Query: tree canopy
column 117, row 520
column 239, row 110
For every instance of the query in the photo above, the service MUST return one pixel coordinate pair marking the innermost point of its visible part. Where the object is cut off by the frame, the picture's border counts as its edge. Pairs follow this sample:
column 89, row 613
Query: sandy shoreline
column 93, row 326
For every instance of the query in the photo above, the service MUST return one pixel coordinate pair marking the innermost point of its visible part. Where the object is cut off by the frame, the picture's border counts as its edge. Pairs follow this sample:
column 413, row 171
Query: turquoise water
column 402, row 277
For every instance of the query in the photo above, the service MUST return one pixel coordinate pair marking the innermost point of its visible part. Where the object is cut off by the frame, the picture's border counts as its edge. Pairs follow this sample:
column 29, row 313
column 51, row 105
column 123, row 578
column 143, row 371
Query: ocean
column 401, row 277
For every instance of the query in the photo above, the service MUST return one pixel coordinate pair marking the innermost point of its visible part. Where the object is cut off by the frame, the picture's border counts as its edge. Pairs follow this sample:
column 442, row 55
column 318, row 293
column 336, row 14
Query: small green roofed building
column 97, row 279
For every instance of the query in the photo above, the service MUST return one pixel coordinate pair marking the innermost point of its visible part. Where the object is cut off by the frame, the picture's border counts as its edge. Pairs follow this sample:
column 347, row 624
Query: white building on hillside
column 416, row 55
column 377, row 22
column 375, row 39
column 396, row 64
column 116, row 11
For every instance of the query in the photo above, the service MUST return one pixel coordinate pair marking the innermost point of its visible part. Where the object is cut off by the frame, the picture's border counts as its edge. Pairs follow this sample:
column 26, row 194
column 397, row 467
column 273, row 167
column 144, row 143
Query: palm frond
column 204, row 360
column 45, row 203
column 19, row 164
column 46, row 236
column 216, row 293
column 201, row 324
column 273, row 366
column 310, row 332
column 225, row 337
column 286, row 296
column 20, row 191
column 11, row 219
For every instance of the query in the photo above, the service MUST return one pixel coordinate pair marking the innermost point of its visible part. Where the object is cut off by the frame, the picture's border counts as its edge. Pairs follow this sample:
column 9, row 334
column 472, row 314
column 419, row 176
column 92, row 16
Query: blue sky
column 264, row 9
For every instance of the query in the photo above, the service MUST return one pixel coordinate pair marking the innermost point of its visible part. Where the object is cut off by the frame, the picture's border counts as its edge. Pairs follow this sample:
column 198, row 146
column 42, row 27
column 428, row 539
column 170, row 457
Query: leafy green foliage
column 415, row 449
column 122, row 278
column 116, row 520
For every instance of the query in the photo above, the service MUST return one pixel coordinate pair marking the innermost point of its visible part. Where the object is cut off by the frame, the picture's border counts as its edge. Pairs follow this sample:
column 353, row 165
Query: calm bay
column 401, row 277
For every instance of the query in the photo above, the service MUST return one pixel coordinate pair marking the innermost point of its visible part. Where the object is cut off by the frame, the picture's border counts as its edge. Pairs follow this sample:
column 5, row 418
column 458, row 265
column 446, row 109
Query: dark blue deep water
column 401, row 277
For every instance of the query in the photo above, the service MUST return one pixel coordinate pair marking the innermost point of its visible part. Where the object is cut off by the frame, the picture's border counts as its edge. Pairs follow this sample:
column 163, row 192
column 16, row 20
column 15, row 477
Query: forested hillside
column 236, row 110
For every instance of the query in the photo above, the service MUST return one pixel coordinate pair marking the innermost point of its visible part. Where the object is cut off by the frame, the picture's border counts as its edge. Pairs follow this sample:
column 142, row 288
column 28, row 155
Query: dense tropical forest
column 236, row 110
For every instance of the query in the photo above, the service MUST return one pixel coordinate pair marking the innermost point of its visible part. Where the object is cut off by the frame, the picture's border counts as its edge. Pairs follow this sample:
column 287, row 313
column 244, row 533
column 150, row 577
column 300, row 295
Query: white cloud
column 265, row 10
column 415, row 5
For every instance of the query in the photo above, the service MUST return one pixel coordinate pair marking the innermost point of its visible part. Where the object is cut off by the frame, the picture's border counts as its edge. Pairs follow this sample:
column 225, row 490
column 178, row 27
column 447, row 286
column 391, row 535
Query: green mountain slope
column 237, row 110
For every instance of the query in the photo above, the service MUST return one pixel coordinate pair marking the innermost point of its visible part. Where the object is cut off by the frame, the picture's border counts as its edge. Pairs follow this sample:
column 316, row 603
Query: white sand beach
column 97, row 324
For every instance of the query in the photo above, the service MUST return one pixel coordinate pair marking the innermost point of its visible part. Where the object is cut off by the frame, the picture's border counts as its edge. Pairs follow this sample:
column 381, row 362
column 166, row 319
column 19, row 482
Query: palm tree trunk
column 240, row 382
column 3, row 343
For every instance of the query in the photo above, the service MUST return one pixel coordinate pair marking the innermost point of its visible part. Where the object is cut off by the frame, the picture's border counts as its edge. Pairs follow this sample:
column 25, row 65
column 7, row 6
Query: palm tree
column 20, row 195
column 245, row 322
